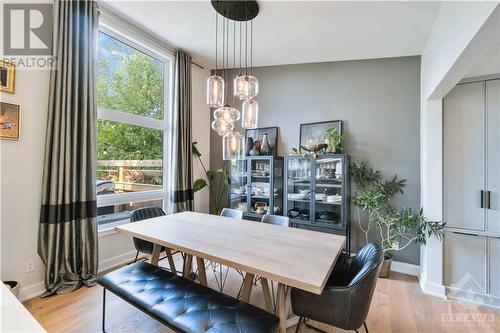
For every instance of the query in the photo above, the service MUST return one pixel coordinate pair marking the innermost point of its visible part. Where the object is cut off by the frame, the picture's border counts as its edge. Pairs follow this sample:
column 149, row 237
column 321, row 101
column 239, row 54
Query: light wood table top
column 294, row 257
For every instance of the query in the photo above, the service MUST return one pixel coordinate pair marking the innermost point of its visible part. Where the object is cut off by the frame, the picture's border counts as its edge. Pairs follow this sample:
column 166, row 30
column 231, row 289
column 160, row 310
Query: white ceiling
column 289, row 32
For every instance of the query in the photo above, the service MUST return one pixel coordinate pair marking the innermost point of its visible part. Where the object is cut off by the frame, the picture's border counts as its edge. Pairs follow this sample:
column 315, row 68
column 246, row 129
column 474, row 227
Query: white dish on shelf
column 295, row 196
column 320, row 196
column 333, row 198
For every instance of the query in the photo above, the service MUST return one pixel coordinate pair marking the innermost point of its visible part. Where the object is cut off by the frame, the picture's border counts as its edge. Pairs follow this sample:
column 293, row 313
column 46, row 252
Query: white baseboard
column 31, row 291
column 36, row 289
column 432, row 289
column 116, row 261
column 405, row 268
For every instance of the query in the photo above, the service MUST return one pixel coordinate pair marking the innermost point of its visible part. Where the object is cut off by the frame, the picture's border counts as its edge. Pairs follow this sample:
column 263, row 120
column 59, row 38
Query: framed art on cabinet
column 313, row 134
column 261, row 141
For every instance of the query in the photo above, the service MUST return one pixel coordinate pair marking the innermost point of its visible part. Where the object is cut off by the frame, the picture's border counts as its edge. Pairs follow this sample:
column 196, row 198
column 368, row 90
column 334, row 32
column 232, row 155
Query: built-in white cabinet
column 493, row 156
column 471, row 186
column 464, row 156
column 494, row 268
column 465, row 264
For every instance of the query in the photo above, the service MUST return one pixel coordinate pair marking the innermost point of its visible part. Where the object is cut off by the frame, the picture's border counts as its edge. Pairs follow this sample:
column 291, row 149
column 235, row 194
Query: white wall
column 21, row 164
column 462, row 34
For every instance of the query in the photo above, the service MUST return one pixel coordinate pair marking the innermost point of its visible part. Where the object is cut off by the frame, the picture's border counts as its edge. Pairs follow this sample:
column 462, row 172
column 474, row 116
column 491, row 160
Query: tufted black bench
column 184, row 305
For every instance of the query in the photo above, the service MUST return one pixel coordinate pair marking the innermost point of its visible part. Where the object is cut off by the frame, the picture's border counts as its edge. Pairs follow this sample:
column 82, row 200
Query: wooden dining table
column 291, row 257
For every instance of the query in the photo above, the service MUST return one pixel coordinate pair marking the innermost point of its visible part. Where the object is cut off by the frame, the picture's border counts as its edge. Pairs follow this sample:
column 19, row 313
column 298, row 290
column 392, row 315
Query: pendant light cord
column 240, row 50
column 246, row 38
column 251, row 47
column 226, row 51
column 234, row 53
column 216, row 37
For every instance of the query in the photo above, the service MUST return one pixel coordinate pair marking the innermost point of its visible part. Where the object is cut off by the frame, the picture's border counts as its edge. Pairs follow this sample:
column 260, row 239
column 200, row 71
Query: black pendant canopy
column 237, row 10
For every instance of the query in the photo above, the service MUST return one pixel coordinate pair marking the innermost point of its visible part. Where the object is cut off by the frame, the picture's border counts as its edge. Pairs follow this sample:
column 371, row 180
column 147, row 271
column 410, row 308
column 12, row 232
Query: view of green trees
column 132, row 82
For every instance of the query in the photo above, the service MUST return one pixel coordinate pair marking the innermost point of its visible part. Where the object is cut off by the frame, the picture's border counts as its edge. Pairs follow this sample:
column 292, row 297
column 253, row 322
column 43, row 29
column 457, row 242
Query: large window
column 132, row 85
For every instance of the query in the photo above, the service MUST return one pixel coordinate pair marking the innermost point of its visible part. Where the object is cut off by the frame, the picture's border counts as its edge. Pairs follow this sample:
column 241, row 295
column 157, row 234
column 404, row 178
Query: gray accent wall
column 378, row 101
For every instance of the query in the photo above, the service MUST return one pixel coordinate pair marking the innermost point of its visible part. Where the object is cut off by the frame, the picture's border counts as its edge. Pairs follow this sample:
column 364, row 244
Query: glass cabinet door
column 238, row 186
column 328, row 190
column 260, row 187
column 299, row 188
column 277, row 183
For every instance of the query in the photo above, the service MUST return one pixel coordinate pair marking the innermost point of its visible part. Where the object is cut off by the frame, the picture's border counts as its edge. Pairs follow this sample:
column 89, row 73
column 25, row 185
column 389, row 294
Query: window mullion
column 124, row 198
column 130, row 119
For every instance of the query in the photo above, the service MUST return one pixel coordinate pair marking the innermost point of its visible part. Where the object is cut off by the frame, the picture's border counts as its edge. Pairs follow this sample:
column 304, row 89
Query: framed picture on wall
column 313, row 134
column 7, row 76
column 254, row 141
column 9, row 121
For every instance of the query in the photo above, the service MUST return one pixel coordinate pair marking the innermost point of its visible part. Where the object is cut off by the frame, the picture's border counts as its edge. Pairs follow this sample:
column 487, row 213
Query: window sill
column 109, row 228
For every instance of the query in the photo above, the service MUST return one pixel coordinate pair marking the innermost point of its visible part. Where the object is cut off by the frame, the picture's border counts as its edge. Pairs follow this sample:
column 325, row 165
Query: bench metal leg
column 298, row 324
column 104, row 310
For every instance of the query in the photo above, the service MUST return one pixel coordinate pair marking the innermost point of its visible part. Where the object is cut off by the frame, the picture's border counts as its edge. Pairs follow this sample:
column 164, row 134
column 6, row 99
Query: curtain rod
column 107, row 10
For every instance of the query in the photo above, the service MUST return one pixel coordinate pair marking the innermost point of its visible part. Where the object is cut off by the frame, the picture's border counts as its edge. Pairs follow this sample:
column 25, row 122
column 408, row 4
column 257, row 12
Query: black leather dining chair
column 140, row 214
column 345, row 300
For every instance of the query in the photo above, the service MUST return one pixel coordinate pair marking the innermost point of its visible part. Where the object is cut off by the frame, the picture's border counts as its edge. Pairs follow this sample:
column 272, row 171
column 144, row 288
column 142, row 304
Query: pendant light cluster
column 245, row 85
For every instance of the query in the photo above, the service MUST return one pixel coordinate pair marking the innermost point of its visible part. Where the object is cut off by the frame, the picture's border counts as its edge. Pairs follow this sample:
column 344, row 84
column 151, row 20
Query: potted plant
column 215, row 180
column 334, row 140
column 397, row 227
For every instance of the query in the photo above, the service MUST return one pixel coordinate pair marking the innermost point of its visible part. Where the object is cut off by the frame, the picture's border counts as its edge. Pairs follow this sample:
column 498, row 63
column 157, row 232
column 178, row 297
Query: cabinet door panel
column 493, row 154
column 494, row 255
column 464, row 156
column 465, row 261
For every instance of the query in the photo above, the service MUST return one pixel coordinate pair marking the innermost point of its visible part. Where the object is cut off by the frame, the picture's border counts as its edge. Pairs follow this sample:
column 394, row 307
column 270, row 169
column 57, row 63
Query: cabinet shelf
column 319, row 185
column 338, row 203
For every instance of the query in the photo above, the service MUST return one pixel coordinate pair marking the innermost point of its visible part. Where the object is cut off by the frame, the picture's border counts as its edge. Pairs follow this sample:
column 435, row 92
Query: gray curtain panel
column 67, row 236
column 181, row 179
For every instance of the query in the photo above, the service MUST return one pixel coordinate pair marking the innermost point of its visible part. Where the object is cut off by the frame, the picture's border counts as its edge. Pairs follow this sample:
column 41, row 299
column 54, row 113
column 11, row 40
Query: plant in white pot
column 333, row 139
column 397, row 227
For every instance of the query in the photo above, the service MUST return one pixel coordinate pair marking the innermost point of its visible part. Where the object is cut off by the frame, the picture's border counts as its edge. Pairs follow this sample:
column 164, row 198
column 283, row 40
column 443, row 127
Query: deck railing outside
column 132, row 175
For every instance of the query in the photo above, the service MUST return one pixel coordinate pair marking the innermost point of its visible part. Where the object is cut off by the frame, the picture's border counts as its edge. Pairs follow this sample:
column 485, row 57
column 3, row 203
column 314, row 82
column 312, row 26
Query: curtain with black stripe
column 181, row 167
column 67, row 236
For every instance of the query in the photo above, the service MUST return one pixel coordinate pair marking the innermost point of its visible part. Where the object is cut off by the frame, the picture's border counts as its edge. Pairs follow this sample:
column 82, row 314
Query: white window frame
column 139, row 41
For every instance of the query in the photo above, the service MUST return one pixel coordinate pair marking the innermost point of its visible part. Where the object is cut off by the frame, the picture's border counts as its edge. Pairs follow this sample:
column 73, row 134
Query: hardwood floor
column 398, row 306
